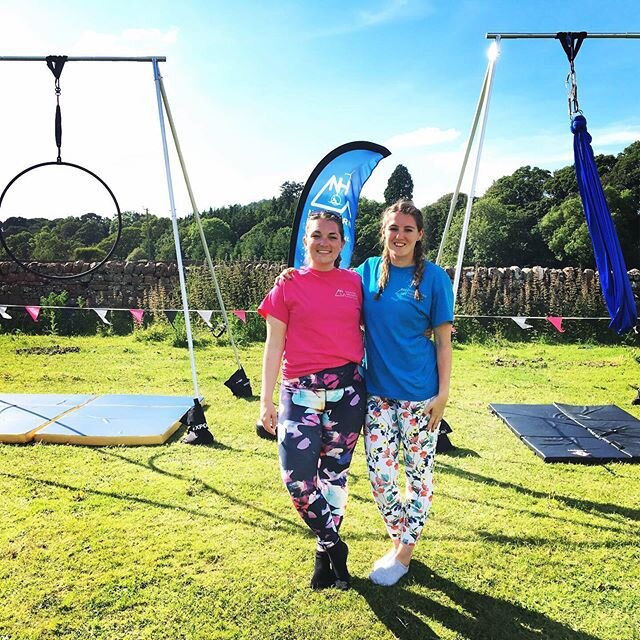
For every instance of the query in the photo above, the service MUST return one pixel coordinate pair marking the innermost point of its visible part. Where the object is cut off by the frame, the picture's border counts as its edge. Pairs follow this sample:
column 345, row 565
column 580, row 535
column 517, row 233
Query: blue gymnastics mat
column 90, row 420
column 565, row 433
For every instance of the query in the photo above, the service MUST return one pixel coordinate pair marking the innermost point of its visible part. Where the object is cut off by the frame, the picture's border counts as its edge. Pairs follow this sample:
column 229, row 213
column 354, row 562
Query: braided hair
column 407, row 207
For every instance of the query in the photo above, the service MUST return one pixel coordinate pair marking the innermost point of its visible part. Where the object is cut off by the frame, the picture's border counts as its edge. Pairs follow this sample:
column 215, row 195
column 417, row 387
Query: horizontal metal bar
column 83, row 59
column 515, row 36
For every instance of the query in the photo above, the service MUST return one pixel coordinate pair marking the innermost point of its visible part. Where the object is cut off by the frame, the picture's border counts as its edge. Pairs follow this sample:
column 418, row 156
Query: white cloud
column 422, row 138
column 625, row 136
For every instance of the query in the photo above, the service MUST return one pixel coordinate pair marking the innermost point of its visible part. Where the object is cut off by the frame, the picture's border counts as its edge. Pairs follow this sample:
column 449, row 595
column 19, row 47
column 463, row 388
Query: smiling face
column 400, row 233
column 323, row 243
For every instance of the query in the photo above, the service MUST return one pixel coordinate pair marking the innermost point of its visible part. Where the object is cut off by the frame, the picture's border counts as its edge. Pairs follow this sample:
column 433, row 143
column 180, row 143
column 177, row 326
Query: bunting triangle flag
column 34, row 312
column 240, row 314
column 206, row 316
column 4, row 314
column 102, row 314
column 556, row 321
column 522, row 322
column 137, row 314
column 171, row 314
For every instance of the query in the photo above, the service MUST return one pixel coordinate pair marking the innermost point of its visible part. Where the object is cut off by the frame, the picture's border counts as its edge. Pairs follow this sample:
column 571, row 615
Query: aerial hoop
column 48, row 276
column 55, row 65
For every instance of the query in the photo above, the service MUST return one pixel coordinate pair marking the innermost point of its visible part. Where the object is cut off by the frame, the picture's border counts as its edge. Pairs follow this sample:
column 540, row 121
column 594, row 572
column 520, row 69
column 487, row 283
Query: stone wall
column 484, row 290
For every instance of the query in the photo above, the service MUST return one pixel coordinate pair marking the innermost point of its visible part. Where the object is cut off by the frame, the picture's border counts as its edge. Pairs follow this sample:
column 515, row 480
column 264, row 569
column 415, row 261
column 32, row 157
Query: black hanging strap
column 571, row 42
column 56, row 64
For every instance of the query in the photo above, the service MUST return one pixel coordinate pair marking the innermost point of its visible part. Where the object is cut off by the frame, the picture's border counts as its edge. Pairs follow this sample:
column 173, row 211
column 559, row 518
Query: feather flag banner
column 334, row 186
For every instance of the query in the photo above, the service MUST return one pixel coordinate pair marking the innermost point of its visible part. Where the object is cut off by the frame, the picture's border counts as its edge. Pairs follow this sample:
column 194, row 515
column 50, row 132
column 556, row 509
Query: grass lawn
column 187, row 542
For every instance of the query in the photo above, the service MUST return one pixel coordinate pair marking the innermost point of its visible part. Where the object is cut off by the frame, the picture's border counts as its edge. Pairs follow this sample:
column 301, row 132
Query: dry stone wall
column 483, row 291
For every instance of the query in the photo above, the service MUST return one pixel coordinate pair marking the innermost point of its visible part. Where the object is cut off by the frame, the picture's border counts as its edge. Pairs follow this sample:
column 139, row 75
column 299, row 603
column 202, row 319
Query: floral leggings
column 319, row 420
column 389, row 424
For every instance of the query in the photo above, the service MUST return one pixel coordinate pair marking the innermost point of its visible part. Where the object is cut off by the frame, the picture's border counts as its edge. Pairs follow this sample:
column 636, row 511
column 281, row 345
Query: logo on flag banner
column 335, row 185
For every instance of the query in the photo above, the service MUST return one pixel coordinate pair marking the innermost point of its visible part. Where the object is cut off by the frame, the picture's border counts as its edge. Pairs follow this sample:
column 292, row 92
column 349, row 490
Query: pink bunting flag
column 34, row 312
column 137, row 314
column 241, row 314
column 556, row 321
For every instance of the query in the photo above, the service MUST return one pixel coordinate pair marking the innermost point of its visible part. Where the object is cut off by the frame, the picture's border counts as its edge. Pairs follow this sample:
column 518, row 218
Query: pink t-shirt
column 322, row 311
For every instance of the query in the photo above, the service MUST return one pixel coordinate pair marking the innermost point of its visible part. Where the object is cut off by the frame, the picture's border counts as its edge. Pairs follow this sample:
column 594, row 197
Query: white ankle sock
column 386, row 560
column 388, row 576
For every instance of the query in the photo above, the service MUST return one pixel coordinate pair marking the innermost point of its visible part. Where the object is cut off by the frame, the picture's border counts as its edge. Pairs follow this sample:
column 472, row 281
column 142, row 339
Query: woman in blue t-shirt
column 407, row 377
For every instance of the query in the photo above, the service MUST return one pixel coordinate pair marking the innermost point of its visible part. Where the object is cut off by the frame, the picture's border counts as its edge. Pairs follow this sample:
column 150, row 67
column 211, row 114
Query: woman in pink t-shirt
column 313, row 331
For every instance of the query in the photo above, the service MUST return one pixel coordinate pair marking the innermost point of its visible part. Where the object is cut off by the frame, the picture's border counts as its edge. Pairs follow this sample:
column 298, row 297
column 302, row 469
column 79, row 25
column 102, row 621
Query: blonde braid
column 383, row 280
column 418, row 272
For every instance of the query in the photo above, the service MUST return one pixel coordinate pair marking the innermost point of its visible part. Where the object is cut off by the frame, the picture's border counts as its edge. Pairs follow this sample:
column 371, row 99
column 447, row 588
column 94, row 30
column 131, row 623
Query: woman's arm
column 444, row 353
column 273, row 348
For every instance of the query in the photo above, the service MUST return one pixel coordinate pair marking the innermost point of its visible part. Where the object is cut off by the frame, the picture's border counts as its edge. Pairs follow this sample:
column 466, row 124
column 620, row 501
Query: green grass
column 202, row 543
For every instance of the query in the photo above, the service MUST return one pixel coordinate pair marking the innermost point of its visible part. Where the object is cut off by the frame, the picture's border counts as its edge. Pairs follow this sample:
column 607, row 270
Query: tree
column 565, row 231
column 435, row 217
column 217, row 233
column 20, row 244
column 399, row 186
column 289, row 194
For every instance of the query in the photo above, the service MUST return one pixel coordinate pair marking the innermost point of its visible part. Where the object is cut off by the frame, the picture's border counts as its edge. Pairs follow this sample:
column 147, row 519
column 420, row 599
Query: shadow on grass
column 296, row 526
column 470, row 614
column 588, row 506
column 457, row 452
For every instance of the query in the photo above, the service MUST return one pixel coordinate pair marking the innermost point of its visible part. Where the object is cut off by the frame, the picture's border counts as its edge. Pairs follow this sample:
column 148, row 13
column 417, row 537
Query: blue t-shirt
column 400, row 362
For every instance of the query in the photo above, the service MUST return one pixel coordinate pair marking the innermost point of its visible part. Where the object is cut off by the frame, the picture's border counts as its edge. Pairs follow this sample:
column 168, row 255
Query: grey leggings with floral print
column 390, row 424
column 319, row 420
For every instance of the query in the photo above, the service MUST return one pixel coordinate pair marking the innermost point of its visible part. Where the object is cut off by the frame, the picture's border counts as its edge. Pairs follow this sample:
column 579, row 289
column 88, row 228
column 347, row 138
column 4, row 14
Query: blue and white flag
column 335, row 185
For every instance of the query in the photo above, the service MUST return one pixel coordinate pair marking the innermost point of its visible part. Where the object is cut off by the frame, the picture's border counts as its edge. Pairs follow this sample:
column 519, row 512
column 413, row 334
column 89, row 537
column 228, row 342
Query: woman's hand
column 286, row 274
column 428, row 333
column 435, row 411
column 269, row 416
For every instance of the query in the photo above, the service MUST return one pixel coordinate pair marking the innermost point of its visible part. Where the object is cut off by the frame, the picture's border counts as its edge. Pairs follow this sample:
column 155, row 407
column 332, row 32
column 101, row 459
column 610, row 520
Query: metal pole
column 83, row 59
column 176, row 238
column 516, row 36
column 472, row 135
column 472, row 190
column 196, row 214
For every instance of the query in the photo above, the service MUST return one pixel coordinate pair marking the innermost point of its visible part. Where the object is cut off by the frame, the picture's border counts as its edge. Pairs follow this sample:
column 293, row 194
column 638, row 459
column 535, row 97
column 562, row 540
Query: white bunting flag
column 4, row 314
column 522, row 322
column 206, row 316
column 102, row 313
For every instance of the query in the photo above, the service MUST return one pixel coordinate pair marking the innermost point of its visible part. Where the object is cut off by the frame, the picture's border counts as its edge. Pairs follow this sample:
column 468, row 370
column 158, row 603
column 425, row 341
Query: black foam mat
column 559, row 433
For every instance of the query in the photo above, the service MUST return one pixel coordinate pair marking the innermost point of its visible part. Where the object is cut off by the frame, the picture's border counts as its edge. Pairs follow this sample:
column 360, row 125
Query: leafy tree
column 435, row 218
column 566, row 233
column 367, row 242
column 20, row 244
column 399, row 185
column 217, row 233
column 48, row 246
column 289, row 194
column 88, row 254
column 137, row 254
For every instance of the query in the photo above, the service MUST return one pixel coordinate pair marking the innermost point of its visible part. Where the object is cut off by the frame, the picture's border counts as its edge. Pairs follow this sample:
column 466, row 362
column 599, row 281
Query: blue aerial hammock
column 614, row 280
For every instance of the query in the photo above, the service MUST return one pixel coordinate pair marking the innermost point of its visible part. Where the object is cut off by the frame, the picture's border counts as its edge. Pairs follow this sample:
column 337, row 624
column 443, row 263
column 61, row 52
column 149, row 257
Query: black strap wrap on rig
column 56, row 64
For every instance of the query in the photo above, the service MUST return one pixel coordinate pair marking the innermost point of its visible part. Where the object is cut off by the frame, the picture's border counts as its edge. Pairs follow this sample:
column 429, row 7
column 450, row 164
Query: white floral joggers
column 389, row 425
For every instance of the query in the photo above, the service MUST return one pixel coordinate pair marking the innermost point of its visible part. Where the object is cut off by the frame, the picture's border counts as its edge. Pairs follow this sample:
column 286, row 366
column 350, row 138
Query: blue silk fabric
column 612, row 270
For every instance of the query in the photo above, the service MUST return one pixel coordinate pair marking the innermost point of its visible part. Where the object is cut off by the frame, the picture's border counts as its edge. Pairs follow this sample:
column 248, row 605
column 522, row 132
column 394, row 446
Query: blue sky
column 261, row 91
